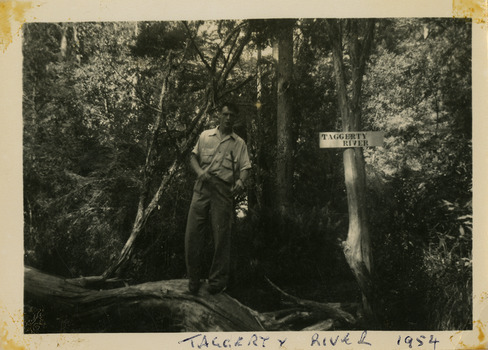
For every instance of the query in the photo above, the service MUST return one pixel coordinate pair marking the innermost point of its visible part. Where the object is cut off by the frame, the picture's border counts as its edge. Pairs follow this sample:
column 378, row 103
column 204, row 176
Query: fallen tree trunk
column 156, row 307
column 166, row 303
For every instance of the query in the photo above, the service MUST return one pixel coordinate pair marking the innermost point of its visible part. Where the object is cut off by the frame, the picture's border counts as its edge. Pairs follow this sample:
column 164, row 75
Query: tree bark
column 357, row 247
column 284, row 168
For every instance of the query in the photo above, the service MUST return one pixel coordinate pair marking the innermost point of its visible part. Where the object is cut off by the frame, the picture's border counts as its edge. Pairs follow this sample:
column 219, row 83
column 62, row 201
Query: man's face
column 227, row 119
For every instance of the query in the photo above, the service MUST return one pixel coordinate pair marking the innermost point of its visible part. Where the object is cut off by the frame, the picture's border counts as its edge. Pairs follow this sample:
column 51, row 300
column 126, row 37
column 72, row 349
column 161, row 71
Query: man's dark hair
column 231, row 106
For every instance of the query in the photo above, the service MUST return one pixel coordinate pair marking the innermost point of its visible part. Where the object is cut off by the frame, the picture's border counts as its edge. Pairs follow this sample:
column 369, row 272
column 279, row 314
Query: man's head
column 228, row 113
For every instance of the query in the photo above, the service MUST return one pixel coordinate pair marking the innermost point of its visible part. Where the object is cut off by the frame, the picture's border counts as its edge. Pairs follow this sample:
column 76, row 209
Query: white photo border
column 11, row 212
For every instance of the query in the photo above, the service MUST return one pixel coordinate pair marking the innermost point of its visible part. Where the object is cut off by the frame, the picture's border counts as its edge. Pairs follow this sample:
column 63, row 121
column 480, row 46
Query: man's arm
column 243, row 176
column 239, row 185
column 202, row 174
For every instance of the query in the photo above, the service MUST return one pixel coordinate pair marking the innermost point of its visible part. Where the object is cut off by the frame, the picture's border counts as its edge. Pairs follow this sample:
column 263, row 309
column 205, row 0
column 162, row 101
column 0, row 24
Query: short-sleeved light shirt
column 216, row 154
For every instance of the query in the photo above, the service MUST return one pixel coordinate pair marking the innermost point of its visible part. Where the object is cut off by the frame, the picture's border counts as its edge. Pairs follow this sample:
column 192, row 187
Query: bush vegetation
column 90, row 106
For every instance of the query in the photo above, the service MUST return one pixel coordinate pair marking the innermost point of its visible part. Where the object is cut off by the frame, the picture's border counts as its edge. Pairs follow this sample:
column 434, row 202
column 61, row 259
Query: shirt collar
column 214, row 132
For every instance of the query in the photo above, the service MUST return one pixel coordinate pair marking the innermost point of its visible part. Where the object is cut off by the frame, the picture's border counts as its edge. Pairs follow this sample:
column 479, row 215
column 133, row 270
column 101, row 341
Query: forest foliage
column 109, row 106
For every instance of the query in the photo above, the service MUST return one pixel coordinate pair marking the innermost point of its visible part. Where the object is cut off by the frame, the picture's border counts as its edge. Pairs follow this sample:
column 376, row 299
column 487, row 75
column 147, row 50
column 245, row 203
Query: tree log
column 166, row 304
column 162, row 306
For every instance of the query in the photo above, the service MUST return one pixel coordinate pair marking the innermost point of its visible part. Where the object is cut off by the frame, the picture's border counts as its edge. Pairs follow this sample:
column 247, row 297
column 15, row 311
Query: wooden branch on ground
column 321, row 326
column 329, row 310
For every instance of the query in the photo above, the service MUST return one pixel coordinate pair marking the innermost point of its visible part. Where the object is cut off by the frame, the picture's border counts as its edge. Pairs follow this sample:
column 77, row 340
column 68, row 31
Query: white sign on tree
column 351, row 139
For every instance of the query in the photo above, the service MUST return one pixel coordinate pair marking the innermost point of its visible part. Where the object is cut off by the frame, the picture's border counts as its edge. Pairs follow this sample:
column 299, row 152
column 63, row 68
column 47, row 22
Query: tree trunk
column 76, row 43
column 357, row 247
column 166, row 304
column 63, row 44
column 284, row 169
column 255, row 193
column 162, row 306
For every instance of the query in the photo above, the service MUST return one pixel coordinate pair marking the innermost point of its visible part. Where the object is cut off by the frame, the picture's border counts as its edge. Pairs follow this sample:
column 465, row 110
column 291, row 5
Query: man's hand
column 204, row 175
column 237, row 188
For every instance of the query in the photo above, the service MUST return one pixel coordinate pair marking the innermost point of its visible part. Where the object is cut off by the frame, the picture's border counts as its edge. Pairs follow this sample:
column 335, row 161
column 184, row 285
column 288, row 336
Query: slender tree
column 284, row 166
column 358, row 35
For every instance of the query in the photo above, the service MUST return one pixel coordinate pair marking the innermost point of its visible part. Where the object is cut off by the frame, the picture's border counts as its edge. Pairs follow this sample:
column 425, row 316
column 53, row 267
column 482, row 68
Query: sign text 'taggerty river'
column 351, row 139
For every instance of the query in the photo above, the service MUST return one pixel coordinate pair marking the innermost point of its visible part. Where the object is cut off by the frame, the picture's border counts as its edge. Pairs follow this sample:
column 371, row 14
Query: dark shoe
column 216, row 289
column 193, row 287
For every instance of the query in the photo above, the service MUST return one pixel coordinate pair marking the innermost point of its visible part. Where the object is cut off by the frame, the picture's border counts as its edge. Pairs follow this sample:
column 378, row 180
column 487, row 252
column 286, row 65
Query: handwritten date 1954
column 417, row 342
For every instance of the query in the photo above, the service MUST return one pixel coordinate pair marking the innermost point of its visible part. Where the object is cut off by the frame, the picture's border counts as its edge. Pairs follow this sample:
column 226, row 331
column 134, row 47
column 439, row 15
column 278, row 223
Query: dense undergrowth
column 87, row 112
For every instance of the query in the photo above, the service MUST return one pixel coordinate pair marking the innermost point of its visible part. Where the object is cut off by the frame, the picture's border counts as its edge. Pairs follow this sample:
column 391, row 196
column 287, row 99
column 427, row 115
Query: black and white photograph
column 238, row 181
column 223, row 175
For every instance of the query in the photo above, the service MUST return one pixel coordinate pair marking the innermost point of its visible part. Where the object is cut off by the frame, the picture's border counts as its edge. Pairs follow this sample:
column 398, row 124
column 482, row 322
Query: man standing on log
column 221, row 162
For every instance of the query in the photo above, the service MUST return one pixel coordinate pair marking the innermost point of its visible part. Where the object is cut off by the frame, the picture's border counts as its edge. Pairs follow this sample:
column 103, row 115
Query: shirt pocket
column 206, row 156
column 227, row 162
